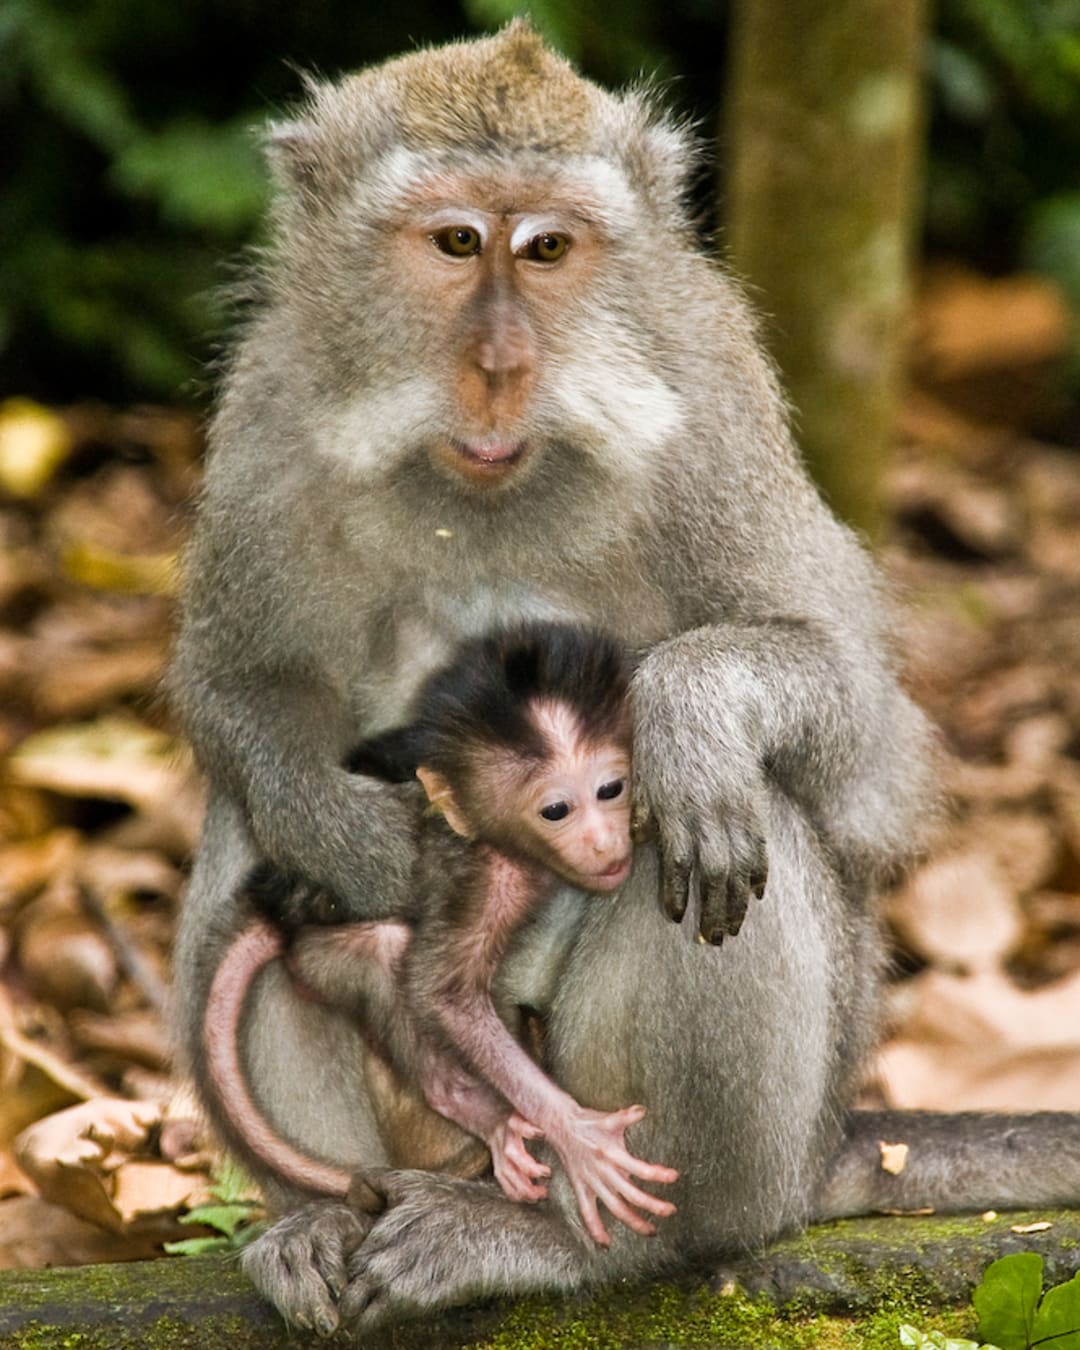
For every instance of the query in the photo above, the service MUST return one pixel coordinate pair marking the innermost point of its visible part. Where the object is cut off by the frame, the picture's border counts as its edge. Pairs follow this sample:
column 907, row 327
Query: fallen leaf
column 1030, row 1227
column 69, row 682
column 1025, row 845
column 959, row 911
column 34, row 442
column 70, row 1156
column 112, row 757
column 17, row 1051
column 67, row 961
column 137, row 1036
column 157, row 1188
column 978, row 1043
column 35, row 1234
column 127, row 573
column 972, row 323
column 893, row 1157
column 28, row 866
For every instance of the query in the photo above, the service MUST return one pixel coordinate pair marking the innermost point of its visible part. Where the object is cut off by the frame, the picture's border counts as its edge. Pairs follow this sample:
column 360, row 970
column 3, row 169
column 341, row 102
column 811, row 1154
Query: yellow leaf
column 126, row 573
column 34, row 442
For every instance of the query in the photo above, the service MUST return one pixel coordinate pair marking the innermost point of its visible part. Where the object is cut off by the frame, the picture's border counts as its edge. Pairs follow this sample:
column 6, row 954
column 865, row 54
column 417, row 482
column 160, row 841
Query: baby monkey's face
column 576, row 806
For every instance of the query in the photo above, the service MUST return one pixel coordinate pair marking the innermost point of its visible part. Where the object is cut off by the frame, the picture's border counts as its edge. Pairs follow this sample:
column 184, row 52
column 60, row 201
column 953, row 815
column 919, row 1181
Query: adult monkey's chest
column 416, row 630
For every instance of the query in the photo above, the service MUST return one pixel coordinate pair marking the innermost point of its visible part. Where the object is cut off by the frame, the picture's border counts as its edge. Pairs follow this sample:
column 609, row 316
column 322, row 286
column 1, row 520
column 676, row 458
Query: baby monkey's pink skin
column 425, row 994
column 571, row 821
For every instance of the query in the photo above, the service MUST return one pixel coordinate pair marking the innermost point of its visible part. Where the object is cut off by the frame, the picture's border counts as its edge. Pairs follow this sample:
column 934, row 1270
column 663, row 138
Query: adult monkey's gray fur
column 444, row 418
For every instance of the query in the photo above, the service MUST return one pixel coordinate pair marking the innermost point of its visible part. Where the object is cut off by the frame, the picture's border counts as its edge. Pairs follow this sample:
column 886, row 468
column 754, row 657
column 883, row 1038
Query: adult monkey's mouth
column 483, row 461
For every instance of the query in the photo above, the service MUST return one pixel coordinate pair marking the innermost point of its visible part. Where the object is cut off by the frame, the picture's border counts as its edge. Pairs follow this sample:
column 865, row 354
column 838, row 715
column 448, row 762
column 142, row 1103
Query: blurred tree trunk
column 825, row 134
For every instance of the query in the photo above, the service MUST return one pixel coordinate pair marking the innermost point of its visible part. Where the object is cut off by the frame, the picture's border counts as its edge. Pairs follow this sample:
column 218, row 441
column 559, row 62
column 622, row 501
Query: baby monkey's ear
column 441, row 796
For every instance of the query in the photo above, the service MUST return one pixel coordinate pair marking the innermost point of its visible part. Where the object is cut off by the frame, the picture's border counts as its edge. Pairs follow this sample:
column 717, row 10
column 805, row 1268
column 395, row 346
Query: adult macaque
column 494, row 378
column 523, row 745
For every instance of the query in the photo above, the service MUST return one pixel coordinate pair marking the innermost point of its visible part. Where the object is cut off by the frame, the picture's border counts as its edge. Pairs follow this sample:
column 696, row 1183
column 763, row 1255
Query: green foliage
column 1011, row 1315
column 934, row 1340
column 117, row 219
column 199, row 175
column 1007, row 1298
column 1052, row 241
column 233, row 1217
column 1005, row 127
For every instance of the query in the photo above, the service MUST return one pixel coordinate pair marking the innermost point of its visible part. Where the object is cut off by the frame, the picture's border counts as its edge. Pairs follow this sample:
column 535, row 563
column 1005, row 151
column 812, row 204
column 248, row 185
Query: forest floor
column 100, row 804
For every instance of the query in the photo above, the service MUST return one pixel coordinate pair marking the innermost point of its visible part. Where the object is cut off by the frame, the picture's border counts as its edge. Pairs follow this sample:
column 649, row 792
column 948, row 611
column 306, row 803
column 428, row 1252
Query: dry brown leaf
column 146, row 1189
column 71, row 1156
column 109, row 872
column 1025, row 845
column 1000, row 784
column 27, row 867
column 971, row 323
column 72, row 682
column 954, row 510
column 136, row 1036
column 13, row 1180
column 979, row 1043
column 1049, row 479
column 25, row 813
column 23, row 574
column 34, row 1078
column 67, row 961
column 112, row 757
column 1037, row 741
column 115, row 512
column 35, row 1234
column 959, row 911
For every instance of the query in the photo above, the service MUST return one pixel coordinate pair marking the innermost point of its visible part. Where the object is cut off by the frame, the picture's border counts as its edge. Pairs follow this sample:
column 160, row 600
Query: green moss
column 167, row 1333
column 670, row 1315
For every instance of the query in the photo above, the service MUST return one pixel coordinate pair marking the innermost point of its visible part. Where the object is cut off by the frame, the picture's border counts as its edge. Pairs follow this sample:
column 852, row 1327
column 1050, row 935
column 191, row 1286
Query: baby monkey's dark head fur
column 483, row 699
column 523, row 742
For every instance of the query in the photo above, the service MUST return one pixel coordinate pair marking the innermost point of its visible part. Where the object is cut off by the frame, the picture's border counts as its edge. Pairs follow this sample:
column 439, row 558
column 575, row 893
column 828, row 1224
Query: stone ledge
column 885, row 1270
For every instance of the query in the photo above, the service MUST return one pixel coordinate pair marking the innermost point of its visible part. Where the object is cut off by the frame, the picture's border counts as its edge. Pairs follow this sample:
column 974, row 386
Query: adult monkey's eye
column 556, row 811
column 457, row 240
column 547, row 248
column 609, row 791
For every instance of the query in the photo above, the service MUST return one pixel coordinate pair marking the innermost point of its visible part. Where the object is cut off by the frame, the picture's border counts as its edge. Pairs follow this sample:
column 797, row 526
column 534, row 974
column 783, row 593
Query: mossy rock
column 841, row 1286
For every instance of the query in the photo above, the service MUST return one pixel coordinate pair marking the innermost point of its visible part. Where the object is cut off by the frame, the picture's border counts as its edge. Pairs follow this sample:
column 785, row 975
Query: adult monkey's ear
column 441, row 797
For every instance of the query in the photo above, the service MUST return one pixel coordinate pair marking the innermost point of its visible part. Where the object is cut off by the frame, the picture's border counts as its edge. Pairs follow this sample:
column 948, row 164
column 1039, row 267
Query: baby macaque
column 522, row 746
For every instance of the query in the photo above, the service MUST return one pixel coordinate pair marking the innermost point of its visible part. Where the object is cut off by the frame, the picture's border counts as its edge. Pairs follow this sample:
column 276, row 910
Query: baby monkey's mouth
column 614, row 875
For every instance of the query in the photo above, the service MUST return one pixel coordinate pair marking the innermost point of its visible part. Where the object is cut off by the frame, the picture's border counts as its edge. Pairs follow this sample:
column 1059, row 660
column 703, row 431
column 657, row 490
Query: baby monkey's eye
column 611, row 790
column 556, row 811
column 546, row 248
column 457, row 240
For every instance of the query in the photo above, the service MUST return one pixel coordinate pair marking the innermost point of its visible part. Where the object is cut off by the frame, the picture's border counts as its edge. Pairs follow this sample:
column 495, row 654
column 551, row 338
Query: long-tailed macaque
column 493, row 377
column 522, row 743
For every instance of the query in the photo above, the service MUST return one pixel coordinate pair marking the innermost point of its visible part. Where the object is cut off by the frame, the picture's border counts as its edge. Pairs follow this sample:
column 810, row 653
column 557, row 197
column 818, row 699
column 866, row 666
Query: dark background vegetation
column 133, row 172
